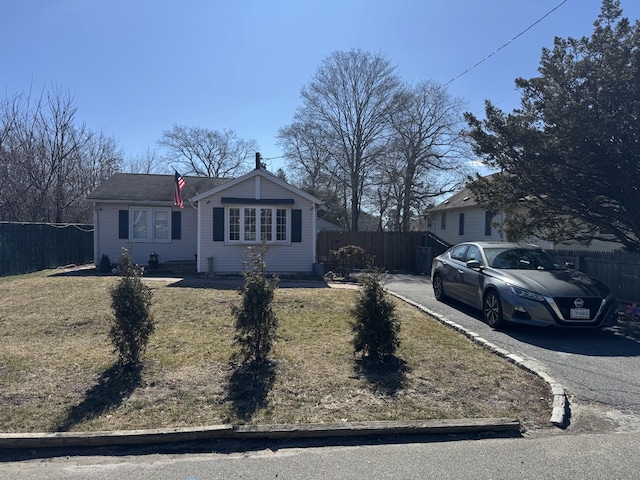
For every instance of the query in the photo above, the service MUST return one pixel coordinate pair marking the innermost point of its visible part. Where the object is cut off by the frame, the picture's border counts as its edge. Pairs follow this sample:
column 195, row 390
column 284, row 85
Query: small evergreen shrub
column 133, row 323
column 375, row 326
column 256, row 322
column 105, row 264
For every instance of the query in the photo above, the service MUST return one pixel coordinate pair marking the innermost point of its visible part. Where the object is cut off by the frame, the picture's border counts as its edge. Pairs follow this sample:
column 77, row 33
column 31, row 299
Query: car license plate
column 581, row 313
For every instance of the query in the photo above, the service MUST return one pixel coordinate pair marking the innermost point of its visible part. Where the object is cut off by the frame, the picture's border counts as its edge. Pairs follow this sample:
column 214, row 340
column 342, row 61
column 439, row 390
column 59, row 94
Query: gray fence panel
column 29, row 247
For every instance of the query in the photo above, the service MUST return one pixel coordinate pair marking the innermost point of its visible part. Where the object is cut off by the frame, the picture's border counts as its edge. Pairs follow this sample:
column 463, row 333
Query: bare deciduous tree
column 147, row 162
column 51, row 158
column 425, row 157
column 348, row 101
column 311, row 165
column 208, row 153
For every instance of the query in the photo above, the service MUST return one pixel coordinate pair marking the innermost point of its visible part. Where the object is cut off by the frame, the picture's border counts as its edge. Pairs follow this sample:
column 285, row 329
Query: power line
column 509, row 42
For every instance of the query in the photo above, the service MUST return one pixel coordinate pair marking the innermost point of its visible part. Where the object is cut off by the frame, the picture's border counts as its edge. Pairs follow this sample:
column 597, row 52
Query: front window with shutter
column 150, row 225
column 258, row 224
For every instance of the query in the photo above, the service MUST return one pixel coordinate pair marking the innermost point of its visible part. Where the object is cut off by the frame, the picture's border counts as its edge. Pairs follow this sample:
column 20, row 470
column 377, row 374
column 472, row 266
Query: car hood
column 556, row 283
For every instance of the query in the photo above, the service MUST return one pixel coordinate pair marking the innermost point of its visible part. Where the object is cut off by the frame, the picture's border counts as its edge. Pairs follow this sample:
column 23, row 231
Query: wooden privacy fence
column 413, row 251
column 619, row 271
column 29, row 247
column 387, row 250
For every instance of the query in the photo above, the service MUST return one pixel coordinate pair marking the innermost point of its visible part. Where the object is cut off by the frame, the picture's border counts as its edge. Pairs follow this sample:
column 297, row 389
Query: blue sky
column 137, row 67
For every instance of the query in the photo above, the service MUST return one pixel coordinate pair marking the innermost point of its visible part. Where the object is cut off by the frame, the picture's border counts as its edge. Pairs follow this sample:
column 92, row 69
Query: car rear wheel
column 492, row 309
column 438, row 288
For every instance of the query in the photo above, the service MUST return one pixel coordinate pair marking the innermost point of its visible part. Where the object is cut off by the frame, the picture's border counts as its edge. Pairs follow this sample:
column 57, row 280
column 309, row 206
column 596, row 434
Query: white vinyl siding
column 283, row 256
column 106, row 241
column 472, row 228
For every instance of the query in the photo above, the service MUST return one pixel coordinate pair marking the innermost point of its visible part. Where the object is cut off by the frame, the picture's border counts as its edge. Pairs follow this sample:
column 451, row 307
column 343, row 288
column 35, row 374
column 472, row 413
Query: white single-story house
column 221, row 218
column 461, row 219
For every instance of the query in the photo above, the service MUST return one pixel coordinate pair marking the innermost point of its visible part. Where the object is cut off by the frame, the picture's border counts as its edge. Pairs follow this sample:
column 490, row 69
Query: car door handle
column 460, row 271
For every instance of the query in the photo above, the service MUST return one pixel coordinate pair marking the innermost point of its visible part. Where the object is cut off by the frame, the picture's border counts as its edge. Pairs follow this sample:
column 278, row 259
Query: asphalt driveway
column 597, row 368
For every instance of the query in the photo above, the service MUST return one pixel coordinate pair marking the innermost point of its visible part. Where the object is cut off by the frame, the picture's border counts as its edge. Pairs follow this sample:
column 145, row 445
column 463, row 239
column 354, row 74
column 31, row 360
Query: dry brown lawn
column 57, row 365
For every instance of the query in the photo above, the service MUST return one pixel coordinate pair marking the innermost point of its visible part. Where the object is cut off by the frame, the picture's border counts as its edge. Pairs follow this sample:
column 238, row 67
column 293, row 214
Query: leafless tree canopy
column 147, row 162
column 207, row 153
column 426, row 154
column 349, row 99
column 366, row 141
column 312, row 166
column 49, row 160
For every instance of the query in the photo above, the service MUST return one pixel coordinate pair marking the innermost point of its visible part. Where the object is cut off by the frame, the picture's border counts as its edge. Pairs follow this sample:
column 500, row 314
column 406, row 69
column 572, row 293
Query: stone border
column 559, row 397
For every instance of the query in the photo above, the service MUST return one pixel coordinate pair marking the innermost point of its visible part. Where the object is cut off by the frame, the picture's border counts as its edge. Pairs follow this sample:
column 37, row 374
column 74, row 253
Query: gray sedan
column 512, row 282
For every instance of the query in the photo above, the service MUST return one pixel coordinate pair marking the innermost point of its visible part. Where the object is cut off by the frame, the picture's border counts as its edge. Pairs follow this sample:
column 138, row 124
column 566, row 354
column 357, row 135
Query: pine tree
column 133, row 322
column 375, row 326
column 256, row 322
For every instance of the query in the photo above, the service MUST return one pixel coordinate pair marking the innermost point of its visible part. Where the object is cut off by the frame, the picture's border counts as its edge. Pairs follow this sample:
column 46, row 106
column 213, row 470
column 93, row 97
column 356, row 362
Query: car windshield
column 521, row 259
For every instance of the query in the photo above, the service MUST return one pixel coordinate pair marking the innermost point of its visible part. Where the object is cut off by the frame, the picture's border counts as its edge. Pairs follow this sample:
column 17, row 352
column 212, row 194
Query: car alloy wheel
column 438, row 288
column 492, row 309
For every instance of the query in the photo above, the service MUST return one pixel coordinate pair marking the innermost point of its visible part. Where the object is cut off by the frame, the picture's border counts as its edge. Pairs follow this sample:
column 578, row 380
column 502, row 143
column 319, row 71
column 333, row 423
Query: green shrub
column 347, row 258
column 131, row 303
column 375, row 326
column 105, row 264
column 256, row 322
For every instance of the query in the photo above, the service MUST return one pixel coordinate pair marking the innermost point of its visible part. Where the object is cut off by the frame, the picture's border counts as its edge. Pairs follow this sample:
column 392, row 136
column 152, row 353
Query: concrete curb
column 316, row 430
column 559, row 397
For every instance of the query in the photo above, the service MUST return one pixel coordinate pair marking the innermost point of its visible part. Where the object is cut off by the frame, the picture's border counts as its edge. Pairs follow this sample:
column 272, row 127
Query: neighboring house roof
column 323, row 224
column 464, row 198
column 137, row 187
column 368, row 222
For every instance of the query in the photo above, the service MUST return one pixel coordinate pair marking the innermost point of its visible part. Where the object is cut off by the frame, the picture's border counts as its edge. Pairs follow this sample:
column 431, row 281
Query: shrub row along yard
column 57, row 364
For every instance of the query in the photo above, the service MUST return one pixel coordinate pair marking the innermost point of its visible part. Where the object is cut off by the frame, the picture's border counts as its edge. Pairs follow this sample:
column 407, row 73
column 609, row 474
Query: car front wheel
column 438, row 288
column 492, row 309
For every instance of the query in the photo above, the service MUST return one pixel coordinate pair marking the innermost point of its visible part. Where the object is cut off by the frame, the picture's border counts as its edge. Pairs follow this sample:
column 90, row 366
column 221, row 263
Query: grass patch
column 57, row 364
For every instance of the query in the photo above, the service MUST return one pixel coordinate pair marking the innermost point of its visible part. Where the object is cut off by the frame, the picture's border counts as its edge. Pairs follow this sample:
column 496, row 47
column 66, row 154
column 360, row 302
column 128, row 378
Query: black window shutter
column 218, row 224
column 296, row 225
column 123, row 223
column 176, row 225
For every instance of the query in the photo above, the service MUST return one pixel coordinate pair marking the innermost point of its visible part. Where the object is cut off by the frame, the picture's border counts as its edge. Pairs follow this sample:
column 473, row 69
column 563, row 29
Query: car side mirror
column 569, row 265
column 473, row 264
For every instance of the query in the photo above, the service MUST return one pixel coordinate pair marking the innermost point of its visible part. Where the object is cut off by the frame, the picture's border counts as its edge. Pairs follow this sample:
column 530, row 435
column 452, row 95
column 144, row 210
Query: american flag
column 177, row 190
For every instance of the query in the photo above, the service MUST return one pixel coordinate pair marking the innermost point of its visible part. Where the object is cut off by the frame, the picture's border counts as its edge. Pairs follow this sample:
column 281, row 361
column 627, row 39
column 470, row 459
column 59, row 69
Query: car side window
column 458, row 252
column 473, row 253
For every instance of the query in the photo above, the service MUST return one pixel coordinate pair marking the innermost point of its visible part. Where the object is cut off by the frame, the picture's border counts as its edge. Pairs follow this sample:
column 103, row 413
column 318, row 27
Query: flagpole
column 185, row 181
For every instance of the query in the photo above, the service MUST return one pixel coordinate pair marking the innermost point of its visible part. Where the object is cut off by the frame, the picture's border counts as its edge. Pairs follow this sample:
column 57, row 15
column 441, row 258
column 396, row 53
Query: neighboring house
column 221, row 218
column 461, row 219
column 327, row 225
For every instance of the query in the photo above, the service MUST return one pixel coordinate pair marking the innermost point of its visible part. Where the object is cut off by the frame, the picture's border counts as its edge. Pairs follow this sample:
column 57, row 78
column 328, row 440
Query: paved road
column 597, row 368
column 593, row 457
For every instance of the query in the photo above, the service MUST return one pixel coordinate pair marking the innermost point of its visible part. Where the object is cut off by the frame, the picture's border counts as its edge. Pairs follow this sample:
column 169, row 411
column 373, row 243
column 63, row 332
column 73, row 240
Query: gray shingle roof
column 464, row 198
column 136, row 187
